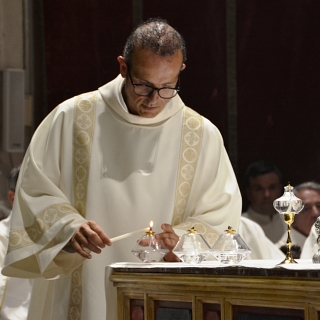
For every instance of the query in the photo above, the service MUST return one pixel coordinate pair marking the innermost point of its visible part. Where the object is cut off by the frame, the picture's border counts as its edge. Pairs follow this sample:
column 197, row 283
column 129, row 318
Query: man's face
column 263, row 190
column 149, row 69
column 304, row 220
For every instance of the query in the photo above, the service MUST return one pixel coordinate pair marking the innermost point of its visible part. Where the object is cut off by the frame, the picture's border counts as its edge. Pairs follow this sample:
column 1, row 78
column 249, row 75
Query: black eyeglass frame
column 134, row 85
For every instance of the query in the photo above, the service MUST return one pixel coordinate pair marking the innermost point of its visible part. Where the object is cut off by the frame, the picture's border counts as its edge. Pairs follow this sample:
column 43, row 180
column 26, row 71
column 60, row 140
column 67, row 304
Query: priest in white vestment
column 106, row 163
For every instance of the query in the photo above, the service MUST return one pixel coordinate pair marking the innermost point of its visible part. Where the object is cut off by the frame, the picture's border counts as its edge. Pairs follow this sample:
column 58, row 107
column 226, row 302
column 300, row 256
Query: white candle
column 126, row 235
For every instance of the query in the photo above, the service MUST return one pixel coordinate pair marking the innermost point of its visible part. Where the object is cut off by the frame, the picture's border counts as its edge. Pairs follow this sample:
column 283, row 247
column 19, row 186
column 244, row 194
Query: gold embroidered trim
column 83, row 129
column 43, row 221
column 191, row 141
column 75, row 299
column 192, row 134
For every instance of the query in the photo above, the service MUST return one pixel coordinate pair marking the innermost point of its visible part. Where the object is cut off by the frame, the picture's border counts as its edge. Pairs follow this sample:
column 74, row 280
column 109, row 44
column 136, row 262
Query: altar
column 253, row 290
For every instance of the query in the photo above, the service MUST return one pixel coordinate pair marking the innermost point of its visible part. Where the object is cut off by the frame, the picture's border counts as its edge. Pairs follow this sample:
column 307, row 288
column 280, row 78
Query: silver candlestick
column 316, row 256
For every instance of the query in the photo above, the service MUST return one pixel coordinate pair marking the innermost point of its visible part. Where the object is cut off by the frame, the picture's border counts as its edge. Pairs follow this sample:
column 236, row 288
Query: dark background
column 277, row 68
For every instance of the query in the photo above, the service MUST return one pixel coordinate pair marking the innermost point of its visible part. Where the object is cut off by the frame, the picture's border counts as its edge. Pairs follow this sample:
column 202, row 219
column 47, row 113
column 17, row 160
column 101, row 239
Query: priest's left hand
column 170, row 239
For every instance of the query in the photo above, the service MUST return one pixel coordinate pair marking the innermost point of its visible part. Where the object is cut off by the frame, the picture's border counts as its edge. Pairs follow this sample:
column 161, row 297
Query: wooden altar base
column 231, row 293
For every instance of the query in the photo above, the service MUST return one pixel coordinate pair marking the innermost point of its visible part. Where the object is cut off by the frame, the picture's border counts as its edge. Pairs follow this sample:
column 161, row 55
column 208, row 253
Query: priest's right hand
column 89, row 237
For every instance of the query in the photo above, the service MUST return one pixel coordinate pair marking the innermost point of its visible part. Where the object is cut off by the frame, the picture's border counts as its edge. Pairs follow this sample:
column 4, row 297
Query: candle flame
column 151, row 224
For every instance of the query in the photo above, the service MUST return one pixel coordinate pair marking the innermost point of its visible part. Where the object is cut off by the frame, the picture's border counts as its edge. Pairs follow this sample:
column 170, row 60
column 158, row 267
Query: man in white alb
column 263, row 182
column 106, row 163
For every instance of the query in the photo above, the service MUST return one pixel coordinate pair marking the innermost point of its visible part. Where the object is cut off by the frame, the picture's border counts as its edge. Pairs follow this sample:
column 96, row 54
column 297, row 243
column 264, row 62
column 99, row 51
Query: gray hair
column 310, row 185
column 157, row 36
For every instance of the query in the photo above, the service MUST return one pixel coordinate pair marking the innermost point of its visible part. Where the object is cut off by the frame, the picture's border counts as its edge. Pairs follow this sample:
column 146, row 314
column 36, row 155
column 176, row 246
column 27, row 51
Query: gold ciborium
column 288, row 205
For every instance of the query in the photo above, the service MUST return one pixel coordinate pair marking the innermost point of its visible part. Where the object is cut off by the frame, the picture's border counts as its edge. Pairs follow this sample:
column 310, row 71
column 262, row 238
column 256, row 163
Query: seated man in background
column 263, row 182
column 14, row 292
column 309, row 193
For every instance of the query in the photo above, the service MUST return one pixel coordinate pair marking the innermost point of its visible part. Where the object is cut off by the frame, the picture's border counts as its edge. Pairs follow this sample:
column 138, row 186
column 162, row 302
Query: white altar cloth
column 265, row 264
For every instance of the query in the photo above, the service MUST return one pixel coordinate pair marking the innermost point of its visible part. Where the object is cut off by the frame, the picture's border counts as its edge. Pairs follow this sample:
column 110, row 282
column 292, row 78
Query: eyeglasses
column 145, row 90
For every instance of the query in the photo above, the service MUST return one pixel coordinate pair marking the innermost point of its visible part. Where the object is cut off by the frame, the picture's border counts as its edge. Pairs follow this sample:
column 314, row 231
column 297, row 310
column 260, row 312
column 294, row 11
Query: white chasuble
column 14, row 292
column 310, row 246
column 122, row 171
